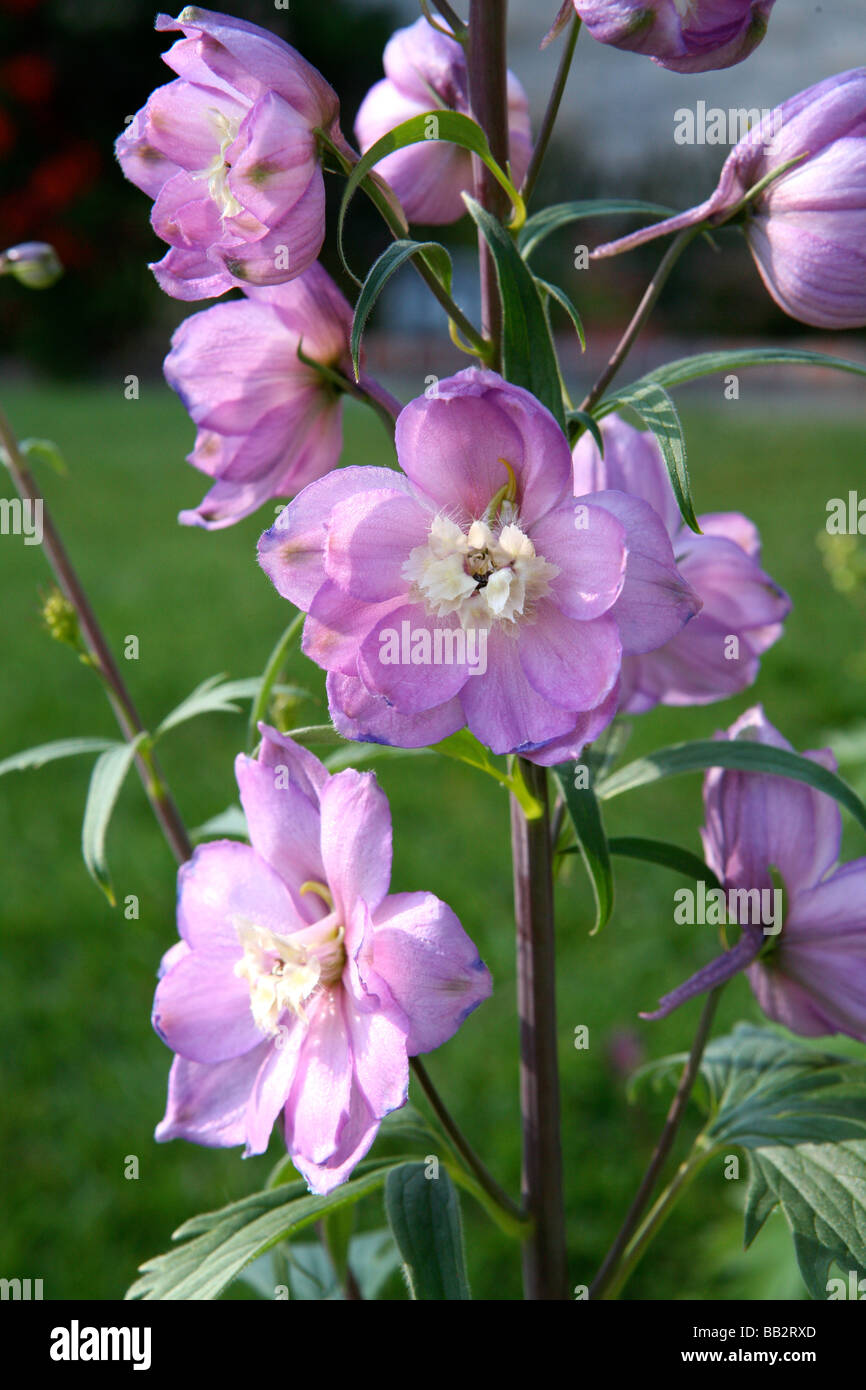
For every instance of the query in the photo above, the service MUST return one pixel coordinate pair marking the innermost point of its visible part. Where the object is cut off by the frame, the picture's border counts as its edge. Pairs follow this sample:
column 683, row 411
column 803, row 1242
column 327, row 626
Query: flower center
column 217, row 172
column 487, row 574
column 283, row 972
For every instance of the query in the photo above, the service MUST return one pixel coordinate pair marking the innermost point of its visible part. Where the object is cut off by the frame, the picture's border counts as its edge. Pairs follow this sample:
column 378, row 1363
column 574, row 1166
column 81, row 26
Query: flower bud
column 34, row 263
column 807, row 227
column 683, row 35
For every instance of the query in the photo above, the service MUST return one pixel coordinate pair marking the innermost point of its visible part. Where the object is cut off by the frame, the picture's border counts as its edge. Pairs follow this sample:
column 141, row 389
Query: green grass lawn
column 85, row 1075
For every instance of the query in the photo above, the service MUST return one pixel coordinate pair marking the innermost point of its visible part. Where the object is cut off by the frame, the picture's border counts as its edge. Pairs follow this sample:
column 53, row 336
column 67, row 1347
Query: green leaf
column 801, row 1116
column 541, row 224
column 44, row 451
column 562, row 299
column 821, row 1189
column 106, row 780
column 424, row 1215
column 465, row 748
column 339, row 1225
column 739, row 754
column 528, row 354
column 712, row 363
column 357, row 754
column 216, row 695
column 219, row 1244
column 380, row 273
column 652, row 403
column 49, row 752
column 682, row 861
column 586, row 422
column 453, row 128
column 231, row 821
column 585, row 816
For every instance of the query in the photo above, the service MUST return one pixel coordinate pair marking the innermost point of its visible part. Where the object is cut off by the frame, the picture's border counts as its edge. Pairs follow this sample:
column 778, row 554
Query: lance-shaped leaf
column 536, row 228
column 652, row 403
column 216, row 695
column 682, row 861
column 452, row 127
column 49, row 752
column 424, row 1216
column 106, row 780
column 734, row 753
column 585, row 816
column 528, row 354
column 396, row 255
column 219, row 1244
column 551, row 291
column 716, row 363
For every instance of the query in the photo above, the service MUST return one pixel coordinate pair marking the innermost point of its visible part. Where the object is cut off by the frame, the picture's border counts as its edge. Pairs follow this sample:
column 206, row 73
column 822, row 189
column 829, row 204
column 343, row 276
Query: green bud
column 61, row 620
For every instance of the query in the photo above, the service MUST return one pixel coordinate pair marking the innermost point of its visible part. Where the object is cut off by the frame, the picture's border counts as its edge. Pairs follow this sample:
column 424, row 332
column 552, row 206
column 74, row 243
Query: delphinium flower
column 807, row 228
column 268, row 422
column 425, row 70
column 301, row 986
column 684, row 35
column 229, row 153
column 811, row 974
column 718, row 653
column 473, row 588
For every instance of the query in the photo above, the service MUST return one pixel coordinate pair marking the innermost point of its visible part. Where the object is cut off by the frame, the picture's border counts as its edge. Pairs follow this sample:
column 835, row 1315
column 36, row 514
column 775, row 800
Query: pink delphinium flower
column 807, row 228
column 229, row 154
column 683, row 35
column 811, row 975
column 268, row 423
column 473, row 589
column 426, row 69
column 300, row 986
column 718, row 653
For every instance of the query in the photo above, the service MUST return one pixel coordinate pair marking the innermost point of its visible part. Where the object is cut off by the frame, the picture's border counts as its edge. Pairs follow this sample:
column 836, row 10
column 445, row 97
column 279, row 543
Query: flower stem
column 488, row 101
column 641, row 314
column 276, row 662
column 552, row 111
column 485, row 1180
column 610, row 1274
column 98, row 650
column 545, row 1272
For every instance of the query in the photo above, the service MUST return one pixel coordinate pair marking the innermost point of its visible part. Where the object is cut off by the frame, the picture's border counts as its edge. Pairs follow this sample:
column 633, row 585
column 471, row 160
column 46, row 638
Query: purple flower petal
column 356, row 840
column 370, row 536
column 208, row 1104
column 416, row 682
column 591, row 559
column 572, row 665
column 365, row 717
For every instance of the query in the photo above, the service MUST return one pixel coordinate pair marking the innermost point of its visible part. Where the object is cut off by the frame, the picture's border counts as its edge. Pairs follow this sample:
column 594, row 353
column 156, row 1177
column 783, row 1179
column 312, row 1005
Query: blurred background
column 84, row 1076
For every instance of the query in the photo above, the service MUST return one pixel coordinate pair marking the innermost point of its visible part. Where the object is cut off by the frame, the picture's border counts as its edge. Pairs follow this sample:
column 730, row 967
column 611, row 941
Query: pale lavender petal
column 587, row 727
column 272, row 1085
column 208, row 1104
column 272, row 160
column 337, row 625
column 202, row 1009
column 572, row 665
column 381, row 1066
column 370, row 536
column 320, row 1095
column 430, row 965
column 356, row 840
column 365, row 717
column 292, row 551
column 590, row 557
column 222, row 880
column 284, row 825
column 502, row 708
column 357, row 1132
column 416, row 681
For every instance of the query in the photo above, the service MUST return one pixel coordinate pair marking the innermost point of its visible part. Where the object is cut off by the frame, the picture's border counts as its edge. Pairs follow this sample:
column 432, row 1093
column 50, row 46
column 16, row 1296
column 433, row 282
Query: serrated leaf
column 739, row 754
column 219, row 1244
column 380, row 273
column 453, row 128
column 821, row 1189
column 649, row 400
column 106, row 780
column 424, row 1216
column 528, row 354
column 50, row 752
column 586, row 818
column 542, row 224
